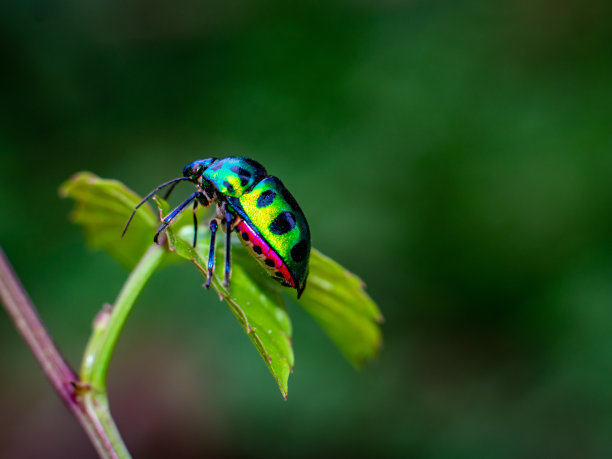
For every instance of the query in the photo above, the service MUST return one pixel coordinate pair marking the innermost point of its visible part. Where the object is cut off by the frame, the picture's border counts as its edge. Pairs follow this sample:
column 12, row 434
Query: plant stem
column 99, row 351
column 85, row 397
column 62, row 377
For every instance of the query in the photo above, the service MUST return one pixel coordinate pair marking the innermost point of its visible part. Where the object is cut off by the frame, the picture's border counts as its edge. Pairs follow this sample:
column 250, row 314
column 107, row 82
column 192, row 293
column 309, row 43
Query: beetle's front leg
column 172, row 215
column 195, row 223
column 202, row 200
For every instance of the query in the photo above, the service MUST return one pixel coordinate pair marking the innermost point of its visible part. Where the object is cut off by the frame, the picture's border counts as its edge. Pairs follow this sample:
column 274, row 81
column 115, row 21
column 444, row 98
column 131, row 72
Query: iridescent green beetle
column 268, row 219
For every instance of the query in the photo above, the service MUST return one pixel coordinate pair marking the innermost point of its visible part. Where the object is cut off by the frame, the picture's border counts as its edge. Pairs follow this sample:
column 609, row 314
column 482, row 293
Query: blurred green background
column 456, row 155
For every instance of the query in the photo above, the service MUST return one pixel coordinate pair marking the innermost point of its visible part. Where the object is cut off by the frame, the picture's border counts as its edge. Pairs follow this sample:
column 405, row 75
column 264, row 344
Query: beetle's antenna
column 169, row 182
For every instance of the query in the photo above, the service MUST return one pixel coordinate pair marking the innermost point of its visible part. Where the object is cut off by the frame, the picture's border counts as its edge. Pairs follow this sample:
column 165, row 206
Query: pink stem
column 62, row 377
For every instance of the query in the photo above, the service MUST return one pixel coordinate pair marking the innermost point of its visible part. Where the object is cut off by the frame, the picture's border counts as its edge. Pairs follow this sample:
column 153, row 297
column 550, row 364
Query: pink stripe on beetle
column 266, row 251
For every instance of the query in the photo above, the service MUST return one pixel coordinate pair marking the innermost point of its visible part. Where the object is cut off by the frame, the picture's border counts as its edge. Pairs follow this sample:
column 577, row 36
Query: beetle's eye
column 192, row 170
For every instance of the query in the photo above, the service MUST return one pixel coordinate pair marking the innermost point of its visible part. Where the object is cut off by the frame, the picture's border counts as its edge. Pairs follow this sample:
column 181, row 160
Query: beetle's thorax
column 208, row 189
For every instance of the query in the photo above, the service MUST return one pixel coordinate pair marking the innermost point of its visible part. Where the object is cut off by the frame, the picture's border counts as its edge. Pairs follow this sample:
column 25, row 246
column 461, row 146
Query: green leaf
column 253, row 299
column 336, row 299
column 102, row 207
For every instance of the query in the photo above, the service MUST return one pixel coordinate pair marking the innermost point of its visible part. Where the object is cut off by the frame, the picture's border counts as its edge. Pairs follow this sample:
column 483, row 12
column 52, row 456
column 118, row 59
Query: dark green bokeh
column 456, row 155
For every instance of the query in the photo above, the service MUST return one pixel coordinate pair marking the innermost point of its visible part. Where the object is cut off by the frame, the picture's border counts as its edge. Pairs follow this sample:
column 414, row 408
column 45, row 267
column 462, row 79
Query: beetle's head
column 194, row 170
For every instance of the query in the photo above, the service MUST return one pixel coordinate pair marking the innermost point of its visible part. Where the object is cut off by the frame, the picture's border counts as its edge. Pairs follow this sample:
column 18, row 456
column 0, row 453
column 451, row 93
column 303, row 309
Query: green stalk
column 107, row 328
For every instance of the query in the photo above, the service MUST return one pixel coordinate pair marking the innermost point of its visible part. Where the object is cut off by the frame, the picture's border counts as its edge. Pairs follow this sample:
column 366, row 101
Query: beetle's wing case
column 233, row 176
column 273, row 213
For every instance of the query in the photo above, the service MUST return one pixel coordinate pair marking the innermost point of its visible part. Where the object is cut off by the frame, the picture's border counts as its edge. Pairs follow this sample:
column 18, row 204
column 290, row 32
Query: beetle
column 263, row 212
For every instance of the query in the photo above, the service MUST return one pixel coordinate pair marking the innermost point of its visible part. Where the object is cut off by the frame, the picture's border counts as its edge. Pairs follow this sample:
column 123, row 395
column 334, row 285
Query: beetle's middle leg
column 230, row 219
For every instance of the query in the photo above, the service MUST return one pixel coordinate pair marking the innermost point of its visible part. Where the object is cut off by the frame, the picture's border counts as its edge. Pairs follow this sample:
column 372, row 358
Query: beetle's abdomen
column 275, row 215
column 234, row 175
column 264, row 254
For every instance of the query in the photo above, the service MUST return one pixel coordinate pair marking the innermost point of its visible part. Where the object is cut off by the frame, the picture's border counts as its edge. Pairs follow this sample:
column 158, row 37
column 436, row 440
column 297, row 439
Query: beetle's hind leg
column 211, row 251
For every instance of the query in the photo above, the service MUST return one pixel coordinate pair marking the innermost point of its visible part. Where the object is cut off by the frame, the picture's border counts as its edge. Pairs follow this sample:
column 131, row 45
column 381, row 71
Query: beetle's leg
column 203, row 199
column 229, row 220
column 173, row 182
column 211, row 251
column 195, row 222
column 170, row 190
column 172, row 215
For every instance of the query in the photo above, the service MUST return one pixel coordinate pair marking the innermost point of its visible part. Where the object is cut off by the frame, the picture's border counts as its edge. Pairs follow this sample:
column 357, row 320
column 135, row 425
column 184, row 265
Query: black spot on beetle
column 245, row 236
column 216, row 165
column 282, row 224
column 255, row 165
column 279, row 275
column 298, row 251
column 229, row 187
column 243, row 174
column 266, row 198
column 257, row 249
column 270, row 262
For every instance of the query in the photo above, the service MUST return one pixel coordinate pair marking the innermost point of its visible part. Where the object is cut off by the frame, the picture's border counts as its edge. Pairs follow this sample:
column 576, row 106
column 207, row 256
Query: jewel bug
column 267, row 218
